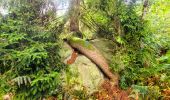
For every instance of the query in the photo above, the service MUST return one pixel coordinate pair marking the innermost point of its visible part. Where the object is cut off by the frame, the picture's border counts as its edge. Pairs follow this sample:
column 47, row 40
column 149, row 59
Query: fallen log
column 94, row 55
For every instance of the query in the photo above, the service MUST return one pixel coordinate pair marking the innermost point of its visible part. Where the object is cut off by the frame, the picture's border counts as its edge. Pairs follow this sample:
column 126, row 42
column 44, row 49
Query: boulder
column 82, row 73
column 89, row 75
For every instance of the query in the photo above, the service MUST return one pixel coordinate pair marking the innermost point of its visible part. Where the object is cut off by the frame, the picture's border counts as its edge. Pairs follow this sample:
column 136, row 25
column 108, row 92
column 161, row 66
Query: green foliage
column 30, row 65
column 29, row 47
column 139, row 41
column 72, row 88
column 165, row 65
column 99, row 17
column 4, row 87
column 146, row 92
column 165, row 58
column 42, row 85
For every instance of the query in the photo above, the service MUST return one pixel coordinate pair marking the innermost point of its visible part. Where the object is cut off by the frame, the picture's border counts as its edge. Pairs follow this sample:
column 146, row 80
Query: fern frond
column 22, row 80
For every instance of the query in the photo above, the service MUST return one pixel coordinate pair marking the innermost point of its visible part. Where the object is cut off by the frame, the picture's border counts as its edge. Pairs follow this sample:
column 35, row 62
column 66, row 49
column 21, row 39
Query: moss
column 84, row 43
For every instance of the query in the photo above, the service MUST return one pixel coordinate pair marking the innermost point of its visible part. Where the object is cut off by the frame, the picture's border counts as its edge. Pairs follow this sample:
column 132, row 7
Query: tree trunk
column 74, row 18
column 145, row 8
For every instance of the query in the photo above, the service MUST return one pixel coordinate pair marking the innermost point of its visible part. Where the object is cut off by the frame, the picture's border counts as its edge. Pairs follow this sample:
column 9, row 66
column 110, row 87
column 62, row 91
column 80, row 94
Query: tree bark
column 74, row 17
column 145, row 8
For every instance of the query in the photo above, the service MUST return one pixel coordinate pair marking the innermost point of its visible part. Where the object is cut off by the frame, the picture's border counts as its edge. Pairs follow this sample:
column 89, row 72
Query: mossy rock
column 84, row 74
